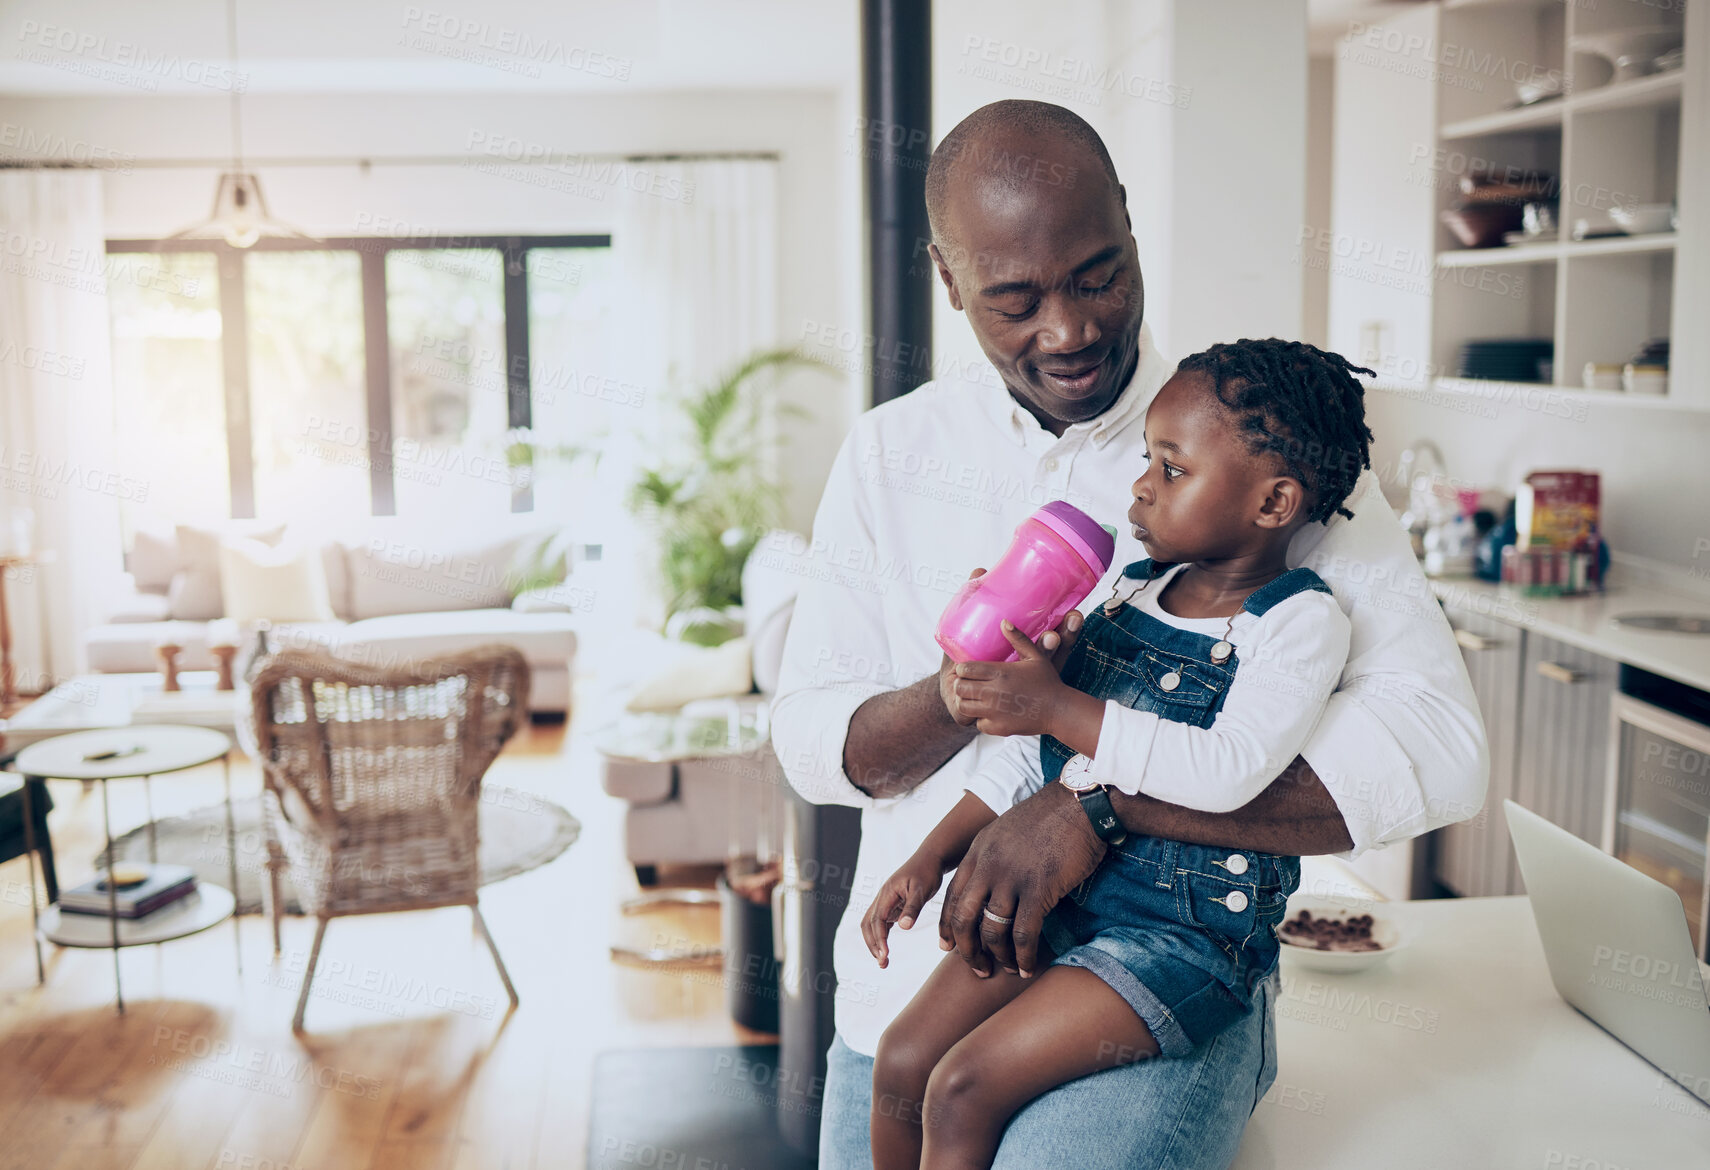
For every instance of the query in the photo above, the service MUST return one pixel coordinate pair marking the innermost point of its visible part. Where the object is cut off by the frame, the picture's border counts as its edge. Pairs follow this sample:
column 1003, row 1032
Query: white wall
column 1655, row 478
column 1202, row 104
column 1320, row 129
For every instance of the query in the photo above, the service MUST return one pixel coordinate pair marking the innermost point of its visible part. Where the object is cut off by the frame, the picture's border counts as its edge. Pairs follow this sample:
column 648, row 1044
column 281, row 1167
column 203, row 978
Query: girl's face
column 1204, row 495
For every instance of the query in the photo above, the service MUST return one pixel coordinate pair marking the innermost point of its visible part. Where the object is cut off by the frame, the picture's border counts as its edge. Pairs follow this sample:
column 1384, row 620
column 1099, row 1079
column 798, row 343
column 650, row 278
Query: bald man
column 1033, row 242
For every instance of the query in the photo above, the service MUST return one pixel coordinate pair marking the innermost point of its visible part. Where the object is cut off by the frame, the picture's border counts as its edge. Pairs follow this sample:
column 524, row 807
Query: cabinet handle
column 1559, row 673
column 1467, row 640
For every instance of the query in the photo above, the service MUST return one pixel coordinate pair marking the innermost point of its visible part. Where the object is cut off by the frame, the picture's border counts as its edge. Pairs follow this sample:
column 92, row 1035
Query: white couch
column 393, row 596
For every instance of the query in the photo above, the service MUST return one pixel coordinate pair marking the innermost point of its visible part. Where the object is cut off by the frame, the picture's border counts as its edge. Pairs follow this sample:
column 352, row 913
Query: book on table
column 164, row 885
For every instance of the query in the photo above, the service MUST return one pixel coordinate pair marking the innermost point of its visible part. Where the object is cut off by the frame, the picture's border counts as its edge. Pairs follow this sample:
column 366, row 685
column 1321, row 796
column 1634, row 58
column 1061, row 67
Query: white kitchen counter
column 1588, row 622
column 1457, row 1052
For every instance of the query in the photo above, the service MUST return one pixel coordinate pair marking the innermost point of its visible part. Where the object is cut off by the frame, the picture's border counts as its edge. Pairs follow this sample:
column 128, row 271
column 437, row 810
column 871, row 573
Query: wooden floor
column 411, row 1057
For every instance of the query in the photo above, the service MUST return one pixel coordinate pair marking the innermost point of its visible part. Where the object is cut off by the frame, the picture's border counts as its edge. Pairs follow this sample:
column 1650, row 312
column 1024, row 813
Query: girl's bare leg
column 951, row 1004
column 1069, row 1024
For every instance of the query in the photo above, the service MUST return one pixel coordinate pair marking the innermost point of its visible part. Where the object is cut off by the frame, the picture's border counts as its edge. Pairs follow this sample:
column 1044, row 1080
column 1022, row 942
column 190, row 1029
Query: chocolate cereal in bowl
column 1338, row 934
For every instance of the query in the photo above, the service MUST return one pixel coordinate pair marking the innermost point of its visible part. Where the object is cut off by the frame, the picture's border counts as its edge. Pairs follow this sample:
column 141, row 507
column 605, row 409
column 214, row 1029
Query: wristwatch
column 1094, row 798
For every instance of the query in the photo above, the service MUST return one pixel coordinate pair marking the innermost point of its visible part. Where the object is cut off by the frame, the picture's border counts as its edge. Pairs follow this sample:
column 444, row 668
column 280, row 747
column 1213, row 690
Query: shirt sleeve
column 1288, row 662
column 1401, row 747
column 834, row 654
column 1010, row 775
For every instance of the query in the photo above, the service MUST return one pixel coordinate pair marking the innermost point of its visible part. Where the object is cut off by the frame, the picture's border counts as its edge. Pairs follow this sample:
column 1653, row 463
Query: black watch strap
column 1103, row 816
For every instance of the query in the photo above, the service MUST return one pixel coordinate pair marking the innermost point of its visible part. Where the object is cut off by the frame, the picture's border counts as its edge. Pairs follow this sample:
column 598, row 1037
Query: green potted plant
column 708, row 501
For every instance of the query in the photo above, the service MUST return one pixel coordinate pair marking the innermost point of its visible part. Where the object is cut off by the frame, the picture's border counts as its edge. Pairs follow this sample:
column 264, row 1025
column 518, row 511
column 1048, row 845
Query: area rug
column 688, row 1107
column 519, row 832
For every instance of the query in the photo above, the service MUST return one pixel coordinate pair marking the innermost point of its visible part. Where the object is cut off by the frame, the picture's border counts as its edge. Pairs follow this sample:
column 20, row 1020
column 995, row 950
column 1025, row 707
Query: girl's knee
column 901, row 1066
column 958, row 1090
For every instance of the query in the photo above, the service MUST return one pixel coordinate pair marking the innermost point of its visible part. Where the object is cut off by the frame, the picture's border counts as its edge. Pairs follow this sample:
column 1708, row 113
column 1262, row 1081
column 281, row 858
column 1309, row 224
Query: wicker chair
column 372, row 781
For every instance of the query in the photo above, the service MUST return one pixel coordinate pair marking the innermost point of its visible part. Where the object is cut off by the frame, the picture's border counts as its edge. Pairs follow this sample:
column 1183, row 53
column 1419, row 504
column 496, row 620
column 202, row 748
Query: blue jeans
column 1184, row 1113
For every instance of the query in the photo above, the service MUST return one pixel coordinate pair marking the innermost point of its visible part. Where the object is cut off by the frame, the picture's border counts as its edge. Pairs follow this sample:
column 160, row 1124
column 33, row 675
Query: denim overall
column 1184, row 933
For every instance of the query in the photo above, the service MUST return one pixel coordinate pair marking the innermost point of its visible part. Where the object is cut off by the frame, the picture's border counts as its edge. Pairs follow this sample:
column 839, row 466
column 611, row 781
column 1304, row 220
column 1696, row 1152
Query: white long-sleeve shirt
column 929, row 486
column 1287, row 662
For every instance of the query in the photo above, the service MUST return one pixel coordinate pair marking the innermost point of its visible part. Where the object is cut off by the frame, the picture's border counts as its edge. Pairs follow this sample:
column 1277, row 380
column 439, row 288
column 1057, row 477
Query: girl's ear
column 1284, row 501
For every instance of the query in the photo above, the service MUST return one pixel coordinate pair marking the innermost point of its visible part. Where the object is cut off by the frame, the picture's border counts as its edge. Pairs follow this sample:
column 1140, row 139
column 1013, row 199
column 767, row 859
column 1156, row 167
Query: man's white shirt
column 929, row 486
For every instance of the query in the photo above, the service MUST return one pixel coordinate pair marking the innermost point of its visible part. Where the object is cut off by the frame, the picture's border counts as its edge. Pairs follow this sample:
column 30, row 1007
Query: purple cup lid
column 1095, row 542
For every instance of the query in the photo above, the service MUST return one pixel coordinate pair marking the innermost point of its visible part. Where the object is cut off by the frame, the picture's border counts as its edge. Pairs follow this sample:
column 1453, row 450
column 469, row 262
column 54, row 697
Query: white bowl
column 1642, row 219
column 1386, row 931
column 1630, row 50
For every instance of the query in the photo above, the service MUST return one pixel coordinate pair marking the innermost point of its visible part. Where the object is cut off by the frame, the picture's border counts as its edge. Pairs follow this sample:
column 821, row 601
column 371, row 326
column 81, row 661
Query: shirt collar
column 1150, row 374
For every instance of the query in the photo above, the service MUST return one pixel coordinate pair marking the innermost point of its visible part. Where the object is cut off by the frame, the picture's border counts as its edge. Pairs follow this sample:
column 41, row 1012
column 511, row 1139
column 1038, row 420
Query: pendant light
column 240, row 215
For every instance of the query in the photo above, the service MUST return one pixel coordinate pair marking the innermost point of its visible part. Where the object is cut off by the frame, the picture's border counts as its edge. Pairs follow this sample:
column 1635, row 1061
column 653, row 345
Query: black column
column 896, row 105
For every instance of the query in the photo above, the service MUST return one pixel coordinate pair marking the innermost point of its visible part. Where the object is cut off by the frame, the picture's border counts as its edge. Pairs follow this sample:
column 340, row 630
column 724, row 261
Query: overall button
column 1236, row 864
column 1170, row 681
column 1235, row 900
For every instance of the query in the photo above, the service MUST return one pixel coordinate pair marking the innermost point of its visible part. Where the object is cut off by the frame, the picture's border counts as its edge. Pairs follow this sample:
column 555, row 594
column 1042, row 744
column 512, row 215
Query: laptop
column 1617, row 947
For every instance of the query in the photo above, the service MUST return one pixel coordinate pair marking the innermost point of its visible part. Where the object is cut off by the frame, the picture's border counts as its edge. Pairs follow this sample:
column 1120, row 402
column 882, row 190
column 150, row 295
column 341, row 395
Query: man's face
column 1049, row 277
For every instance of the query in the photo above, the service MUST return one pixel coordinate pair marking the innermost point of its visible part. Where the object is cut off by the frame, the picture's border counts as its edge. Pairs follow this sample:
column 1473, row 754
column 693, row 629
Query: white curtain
column 57, row 450
column 696, row 245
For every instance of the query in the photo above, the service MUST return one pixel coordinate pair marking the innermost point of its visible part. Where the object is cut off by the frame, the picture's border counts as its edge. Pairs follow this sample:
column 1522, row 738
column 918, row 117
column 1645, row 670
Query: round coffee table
column 132, row 753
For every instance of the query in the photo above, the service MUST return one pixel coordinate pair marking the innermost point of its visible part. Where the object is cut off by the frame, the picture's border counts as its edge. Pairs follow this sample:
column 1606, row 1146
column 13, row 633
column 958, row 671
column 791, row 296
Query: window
column 301, row 379
column 168, row 401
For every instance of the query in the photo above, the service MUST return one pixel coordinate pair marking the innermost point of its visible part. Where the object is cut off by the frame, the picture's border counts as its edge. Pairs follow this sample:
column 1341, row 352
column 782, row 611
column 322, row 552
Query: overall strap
column 1280, row 590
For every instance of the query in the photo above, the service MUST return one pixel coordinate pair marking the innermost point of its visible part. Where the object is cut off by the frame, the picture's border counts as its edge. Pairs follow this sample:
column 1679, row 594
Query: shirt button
column 1236, row 864
column 1050, row 465
column 1236, row 901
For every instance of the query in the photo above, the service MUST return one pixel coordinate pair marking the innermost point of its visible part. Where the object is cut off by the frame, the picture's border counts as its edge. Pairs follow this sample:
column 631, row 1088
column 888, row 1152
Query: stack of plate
column 1507, row 359
column 1655, row 353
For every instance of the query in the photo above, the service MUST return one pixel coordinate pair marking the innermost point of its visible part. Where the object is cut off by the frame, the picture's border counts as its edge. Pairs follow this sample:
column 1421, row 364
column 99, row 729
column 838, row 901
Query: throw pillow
column 195, row 591
column 709, row 672
column 391, row 576
column 275, row 584
column 153, row 560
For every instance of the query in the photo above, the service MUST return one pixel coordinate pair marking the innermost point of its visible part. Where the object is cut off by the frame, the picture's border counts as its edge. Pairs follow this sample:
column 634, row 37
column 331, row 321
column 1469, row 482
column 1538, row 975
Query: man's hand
column 1020, row 865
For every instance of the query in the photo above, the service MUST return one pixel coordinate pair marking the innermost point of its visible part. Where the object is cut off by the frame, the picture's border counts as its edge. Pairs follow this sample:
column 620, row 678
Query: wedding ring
column 997, row 918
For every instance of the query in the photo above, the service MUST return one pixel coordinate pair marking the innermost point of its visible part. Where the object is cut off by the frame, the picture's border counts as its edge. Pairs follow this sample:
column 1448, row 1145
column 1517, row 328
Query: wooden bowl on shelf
column 1482, row 225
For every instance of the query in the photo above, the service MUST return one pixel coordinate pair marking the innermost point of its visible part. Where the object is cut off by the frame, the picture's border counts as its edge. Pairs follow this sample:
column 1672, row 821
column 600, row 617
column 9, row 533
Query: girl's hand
column 899, row 903
column 1014, row 698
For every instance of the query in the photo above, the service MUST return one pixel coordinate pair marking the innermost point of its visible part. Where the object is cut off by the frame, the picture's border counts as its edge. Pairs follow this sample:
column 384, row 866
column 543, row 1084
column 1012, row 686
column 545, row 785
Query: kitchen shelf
column 1538, row 116
column 1512, row 254
column 1453, row 4
column 1547, row 253
column 1659, row 89
column 1516, row 392
column 1622, row 245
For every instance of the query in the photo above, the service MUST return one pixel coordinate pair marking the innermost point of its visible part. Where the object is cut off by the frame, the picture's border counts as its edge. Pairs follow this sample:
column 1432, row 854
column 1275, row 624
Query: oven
column 1657, row 811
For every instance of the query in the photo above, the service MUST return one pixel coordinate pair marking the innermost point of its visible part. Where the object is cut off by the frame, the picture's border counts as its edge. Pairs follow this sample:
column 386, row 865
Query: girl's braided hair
column 1299, row 403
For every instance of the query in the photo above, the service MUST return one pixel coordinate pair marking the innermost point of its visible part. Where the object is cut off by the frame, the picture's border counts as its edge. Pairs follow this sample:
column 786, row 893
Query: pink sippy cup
column 1057, row 557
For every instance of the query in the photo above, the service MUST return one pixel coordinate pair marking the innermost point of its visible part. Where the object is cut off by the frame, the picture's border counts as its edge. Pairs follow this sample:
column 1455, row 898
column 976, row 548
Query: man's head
column 1031, row 236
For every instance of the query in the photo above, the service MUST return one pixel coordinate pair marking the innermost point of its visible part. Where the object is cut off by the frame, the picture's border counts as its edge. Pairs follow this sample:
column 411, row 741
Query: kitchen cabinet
column 1412, row 123
column 1561, row 770
column 1546, row 708
column 1473, row 856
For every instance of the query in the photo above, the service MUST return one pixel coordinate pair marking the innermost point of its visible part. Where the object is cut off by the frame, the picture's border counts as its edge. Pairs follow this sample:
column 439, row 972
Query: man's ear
column 1284, row 501
column 946, row 276
column 1122, row 198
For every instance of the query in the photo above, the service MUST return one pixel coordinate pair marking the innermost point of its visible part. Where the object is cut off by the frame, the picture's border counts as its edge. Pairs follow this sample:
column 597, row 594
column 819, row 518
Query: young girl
column 1197, row 683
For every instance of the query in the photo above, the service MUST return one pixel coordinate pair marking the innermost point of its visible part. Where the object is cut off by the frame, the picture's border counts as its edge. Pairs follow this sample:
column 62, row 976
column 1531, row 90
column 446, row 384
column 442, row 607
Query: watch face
column 1074, row 776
